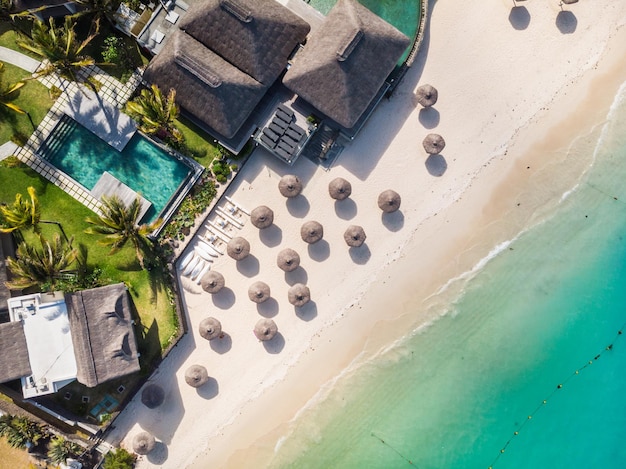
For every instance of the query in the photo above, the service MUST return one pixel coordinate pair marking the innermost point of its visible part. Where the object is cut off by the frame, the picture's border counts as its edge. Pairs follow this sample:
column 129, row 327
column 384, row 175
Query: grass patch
column 32, row 97
column 149, row 290
column 198, row 144
column 8, row 36
column 12, row 457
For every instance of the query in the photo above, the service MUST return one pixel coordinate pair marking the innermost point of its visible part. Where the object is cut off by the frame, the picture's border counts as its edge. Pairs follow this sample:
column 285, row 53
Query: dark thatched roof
column 102, row 333
column 5, row 293
column 14, row 363
column 256, row 36
column 208, row 87
column 346, row 61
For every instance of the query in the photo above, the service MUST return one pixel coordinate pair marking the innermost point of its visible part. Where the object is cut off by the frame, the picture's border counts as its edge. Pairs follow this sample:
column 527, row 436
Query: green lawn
column 156, row 314
column 33, row 97
column 200, row 145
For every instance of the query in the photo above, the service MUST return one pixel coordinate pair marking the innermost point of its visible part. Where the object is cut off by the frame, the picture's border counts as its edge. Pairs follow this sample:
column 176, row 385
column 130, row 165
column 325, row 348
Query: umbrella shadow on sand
column 249, row 266
column 296, row 276
column 158, row 455
column 209, row 390
column 436, row 165
column 360, row 255
column 319, row 251
column 271, row 236
column 519, row 18
column 275, row 345
column 393, row 221
column 298, row 206
column 224, row 299
column 268, row 309
column 566, row 22
column 345, row 209
column 222, row 344
column 308, row 311
column 429, row 117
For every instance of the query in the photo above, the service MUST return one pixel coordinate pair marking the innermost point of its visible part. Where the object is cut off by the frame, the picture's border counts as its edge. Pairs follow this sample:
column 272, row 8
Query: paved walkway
column 18, row 59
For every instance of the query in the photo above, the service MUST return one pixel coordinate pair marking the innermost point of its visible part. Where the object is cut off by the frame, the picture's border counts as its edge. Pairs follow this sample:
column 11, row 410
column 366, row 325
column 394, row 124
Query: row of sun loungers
column 283, row 135
column 212, row 244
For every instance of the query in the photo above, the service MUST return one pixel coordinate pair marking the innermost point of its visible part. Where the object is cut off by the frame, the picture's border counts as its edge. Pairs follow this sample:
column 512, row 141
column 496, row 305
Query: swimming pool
column 143, row 166
column 403, row 14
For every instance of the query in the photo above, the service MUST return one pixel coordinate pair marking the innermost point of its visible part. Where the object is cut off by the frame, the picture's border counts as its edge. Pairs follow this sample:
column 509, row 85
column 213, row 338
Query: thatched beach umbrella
column 339, row 189
column 389, row 201
column 196, row 376
column 354, row 236
column 259, row 292
column 143, row 443
column 569, row 2
column 262, row 217
column 212, row 282
column 290, row 186
column 288, row 260
column 152, row 396
column 299, row 294
column 210, row 328
column 238, row 248
column 434, row 144
column 426, row 95
column 311, row 232
column 265, row 329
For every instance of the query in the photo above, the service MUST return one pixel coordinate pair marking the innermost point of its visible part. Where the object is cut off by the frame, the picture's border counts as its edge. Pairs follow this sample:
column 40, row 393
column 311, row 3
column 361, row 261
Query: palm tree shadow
column 566, row 22
column 519, row 18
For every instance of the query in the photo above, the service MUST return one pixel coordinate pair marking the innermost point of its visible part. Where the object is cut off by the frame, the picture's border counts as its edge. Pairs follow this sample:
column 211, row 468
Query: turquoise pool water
column 403, row 14
column 142, row 166
column 454, row 394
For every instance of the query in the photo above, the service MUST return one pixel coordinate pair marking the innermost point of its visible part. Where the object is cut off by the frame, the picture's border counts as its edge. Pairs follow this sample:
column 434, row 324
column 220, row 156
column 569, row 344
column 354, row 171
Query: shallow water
column 453, row 395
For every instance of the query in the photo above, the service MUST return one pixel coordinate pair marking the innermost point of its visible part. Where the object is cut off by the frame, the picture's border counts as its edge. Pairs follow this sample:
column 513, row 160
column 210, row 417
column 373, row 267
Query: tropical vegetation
column 33, row 266
column 60, row 47
column 59, row 449
column 155, row 113
column 119, row 459
column 120, row 225
column 20, row 432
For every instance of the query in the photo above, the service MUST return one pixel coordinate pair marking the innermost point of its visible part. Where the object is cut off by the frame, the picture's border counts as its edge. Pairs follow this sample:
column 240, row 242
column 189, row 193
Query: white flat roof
column 49, row 341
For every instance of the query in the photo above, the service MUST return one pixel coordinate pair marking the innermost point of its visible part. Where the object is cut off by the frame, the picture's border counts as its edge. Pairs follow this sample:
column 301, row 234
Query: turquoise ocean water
column 454, row 394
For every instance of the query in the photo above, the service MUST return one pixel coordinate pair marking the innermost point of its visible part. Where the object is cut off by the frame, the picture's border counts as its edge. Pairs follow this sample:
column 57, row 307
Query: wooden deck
column 108, row 185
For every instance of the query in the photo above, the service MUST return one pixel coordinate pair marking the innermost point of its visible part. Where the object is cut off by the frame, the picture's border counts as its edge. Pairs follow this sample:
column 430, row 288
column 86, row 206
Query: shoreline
column 449, row 224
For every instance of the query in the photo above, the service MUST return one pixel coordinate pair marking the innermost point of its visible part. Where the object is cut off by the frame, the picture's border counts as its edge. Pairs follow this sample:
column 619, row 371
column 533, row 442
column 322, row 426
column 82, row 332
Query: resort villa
column 52, row 339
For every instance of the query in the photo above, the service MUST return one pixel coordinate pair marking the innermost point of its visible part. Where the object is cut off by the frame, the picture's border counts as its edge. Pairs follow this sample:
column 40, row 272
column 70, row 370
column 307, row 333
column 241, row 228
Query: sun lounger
column 233, row 220
column 194, row 273
column 203, row 250
column 239, row 207
column 280, row 123
column 192, row 265
column 186, row 260
column 202, row 272
column 219, row 230
column 208, row 244
column 286, row 110
column 215, row 235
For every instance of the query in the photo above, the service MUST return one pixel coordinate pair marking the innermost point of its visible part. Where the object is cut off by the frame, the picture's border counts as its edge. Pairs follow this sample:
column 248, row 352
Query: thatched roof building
column 346, row 62
column 5, row 293
column 102, row 334
column 256, row 36
column 208, row 87
column 225, row 56
column 14, row 363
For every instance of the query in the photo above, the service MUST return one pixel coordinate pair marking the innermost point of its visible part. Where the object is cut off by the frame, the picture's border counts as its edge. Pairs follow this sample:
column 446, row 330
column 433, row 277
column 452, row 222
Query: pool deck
column 101, row 118
column 108, row 185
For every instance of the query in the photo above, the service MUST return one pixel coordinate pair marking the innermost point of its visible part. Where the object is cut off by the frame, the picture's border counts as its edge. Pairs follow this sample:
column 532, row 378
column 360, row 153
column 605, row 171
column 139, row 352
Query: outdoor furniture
column 172, row 17
column 157, row 36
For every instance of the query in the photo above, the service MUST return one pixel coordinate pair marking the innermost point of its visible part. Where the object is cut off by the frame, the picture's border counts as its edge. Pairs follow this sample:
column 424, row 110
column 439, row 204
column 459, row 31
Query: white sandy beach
column 512, row 99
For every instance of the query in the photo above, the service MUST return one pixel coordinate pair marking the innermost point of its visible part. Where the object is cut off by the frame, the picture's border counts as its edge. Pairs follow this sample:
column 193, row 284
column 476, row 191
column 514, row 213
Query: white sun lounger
column 235, row 204
column 230, row 218
column 186, row 260
column 197, row 269
column 219, row 230
column 192, row 265
column 215, row 235
column 202, row 272
column 203, row 251
column 209, row 247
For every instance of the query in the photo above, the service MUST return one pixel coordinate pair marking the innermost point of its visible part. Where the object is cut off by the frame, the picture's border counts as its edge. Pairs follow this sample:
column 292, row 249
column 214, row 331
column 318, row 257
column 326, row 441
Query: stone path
column 18, row 59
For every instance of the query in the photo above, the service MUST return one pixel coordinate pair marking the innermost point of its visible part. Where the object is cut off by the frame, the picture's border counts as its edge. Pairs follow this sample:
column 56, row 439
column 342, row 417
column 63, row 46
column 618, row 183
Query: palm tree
column 24, row 214
column 60, row 47
column 33, row 266
column 120, row 224
column 60, row 449
column 20, row 431
column 98, row 9
column 7, row 93
column 156, row 113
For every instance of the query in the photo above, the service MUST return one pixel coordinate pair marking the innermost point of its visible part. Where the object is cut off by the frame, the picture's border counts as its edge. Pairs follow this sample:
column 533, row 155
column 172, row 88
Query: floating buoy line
column 558, row 388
